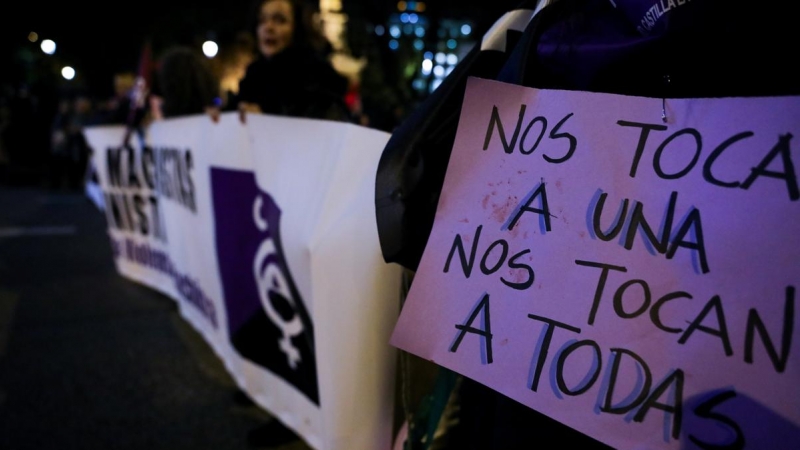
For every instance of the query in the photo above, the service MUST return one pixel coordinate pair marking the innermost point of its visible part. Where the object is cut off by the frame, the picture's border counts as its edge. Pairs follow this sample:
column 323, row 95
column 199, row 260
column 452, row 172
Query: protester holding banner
column 116, row 109
column 291, row 77
column 654, row 49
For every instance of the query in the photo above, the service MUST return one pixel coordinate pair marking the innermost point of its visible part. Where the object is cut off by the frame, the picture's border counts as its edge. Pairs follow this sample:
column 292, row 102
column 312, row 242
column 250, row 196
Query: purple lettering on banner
column 267, row 320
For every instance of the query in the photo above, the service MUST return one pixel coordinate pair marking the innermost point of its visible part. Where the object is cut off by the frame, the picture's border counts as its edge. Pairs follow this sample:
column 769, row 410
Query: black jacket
column 296, row 82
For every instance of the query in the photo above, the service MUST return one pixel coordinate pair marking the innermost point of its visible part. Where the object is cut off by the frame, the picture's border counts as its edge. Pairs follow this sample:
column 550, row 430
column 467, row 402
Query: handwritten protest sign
column 633, row 278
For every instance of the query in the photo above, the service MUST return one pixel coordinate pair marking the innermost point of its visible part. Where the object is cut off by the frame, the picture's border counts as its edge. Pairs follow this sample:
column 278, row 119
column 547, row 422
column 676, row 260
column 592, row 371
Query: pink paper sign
column 632, row 278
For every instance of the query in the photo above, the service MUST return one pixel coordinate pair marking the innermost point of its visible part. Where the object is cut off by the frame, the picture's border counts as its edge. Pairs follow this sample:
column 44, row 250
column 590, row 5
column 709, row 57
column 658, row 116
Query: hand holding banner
column 265, row 236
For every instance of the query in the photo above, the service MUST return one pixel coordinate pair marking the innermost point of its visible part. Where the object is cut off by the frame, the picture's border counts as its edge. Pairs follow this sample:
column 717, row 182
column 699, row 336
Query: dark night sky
column 99, row 39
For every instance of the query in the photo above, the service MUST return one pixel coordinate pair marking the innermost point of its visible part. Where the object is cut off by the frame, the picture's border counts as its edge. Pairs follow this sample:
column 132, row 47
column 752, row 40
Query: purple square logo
column 267, row 319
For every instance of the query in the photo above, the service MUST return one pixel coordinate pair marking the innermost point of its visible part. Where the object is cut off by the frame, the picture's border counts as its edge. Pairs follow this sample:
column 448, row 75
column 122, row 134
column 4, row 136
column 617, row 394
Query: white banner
column 265, row 236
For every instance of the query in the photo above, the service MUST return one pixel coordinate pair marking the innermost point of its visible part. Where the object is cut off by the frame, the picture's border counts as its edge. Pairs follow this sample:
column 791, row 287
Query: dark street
column 90, row 360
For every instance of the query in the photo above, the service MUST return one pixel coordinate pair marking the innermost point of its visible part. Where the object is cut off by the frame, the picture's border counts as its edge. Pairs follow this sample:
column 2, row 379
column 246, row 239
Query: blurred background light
column 427, row 66
column 68, row 72
column 48, row 46
column 210, row 49
column 33, row 36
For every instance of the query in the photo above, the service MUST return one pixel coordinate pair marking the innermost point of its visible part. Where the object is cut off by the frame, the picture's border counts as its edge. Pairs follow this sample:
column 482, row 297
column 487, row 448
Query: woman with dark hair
column 291, row 76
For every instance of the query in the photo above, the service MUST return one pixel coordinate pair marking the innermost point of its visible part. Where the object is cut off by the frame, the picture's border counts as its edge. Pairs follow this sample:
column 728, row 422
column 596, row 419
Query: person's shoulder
column 305, row 55
column 321, row 68
column 252, row 73
column 258, row 65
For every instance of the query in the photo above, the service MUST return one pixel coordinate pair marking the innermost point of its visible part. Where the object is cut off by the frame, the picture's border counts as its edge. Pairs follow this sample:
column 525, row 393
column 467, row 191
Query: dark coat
column 298, row 83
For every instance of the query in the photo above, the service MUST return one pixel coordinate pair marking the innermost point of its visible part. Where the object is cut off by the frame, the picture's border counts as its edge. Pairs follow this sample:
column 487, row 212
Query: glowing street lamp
column 210, row 49
column 68, row 72
column 48, row 46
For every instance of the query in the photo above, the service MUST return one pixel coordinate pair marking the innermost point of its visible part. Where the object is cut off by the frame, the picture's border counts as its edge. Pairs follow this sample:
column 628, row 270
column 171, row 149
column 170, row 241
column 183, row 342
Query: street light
column 68, row 72
column 48, row 46
column 210, row 49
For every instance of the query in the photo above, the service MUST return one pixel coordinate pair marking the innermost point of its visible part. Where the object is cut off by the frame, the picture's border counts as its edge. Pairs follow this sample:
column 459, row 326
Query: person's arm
column 246, row 103
column 156, row 104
